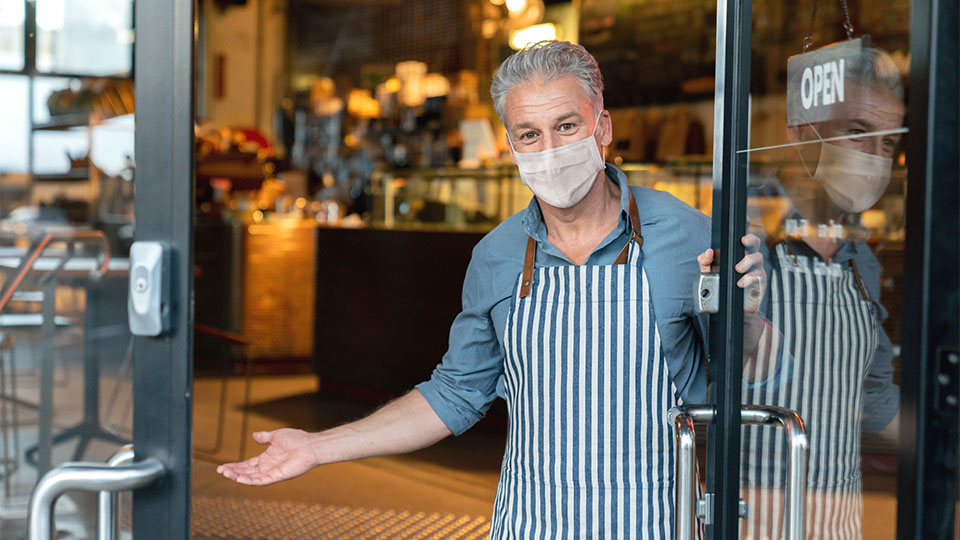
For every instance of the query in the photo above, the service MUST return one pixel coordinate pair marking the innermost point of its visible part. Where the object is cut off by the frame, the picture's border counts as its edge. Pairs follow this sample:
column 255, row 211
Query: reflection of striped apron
column 830, row 329
column 590, row 453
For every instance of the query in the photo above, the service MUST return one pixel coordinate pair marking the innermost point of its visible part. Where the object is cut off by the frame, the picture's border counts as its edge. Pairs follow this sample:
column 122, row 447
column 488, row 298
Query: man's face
column 875, row 109
column 541, row 116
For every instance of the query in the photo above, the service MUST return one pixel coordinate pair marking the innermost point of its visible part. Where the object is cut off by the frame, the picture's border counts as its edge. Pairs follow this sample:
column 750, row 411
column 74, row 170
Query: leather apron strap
column 531, row 255
column 860, row 285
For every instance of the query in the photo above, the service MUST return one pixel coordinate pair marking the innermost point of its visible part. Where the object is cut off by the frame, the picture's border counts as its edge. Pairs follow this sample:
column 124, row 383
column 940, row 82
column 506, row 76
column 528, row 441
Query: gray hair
column 876, row 68
column 546, row 61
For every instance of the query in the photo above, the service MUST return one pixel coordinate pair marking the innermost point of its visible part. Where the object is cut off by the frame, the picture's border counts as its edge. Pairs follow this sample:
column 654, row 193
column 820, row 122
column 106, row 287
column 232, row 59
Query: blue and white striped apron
column 590, row 453
column 828, row 325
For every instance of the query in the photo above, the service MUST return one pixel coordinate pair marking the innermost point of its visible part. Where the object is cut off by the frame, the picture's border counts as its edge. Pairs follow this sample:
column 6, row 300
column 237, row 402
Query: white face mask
column 561, row 176
column 854, row 180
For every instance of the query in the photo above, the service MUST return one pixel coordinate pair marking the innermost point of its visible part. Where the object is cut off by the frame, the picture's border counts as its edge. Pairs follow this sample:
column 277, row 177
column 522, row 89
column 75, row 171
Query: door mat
column 248, row 519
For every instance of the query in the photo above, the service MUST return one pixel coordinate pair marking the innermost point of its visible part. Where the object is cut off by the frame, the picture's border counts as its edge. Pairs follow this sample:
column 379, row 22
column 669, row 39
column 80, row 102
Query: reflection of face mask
column 561, row 176
column 854, row 180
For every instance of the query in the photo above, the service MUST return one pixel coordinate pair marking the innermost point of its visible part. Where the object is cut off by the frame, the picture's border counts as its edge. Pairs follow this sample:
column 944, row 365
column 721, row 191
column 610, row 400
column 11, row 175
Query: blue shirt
column 470, row 376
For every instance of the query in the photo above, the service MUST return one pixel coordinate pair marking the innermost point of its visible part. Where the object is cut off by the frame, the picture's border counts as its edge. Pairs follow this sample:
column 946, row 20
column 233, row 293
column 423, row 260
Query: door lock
column 148, row 294
column 706, row 294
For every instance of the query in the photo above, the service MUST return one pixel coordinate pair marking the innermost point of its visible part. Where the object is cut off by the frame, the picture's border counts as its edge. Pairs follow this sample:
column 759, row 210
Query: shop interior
column 348, row 158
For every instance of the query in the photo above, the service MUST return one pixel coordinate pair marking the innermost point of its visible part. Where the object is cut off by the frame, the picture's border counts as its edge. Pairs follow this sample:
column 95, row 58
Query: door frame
column 927, row 463
column 725, row 336
column 164, row 62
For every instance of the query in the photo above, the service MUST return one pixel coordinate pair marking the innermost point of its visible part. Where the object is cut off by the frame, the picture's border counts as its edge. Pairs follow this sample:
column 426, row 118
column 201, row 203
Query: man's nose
column 552, row 141
column 873, row 145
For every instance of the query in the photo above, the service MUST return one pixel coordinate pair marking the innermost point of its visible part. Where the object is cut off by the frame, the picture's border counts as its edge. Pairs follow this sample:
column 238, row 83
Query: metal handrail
column 84, row 477
column 795, row 494
column 27, row 265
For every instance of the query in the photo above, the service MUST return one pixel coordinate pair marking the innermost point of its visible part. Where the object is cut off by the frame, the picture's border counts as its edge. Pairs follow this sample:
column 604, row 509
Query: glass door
column 823, row 157
column 79, row 185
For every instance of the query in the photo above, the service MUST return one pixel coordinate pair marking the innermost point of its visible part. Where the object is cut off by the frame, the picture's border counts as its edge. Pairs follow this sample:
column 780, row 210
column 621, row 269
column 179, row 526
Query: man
column 824, row 302
column 577, row 311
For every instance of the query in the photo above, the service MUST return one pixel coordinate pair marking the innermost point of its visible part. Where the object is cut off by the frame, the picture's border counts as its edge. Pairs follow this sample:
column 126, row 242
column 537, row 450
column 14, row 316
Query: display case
column 446, row 199
column 479, row 199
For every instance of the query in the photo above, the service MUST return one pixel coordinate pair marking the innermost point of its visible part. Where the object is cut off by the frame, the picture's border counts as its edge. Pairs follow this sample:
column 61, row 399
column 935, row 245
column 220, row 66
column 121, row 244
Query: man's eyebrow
column 867, row 126
column 567, row 116
column 557, row 120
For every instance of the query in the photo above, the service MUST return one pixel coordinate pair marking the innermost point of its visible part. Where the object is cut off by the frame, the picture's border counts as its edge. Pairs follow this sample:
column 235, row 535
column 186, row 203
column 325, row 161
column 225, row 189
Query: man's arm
column 881, row 397
column 403, row 425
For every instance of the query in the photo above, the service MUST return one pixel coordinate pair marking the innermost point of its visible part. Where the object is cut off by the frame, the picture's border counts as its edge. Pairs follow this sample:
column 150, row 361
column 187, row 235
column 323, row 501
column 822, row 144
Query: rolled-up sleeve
column 881, row 397
column 463, row 385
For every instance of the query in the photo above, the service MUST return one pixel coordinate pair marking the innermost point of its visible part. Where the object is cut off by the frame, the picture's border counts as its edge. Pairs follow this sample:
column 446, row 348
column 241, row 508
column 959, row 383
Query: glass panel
column 16, row 123
column 14, row 150
column 90, row 37
column 65, row 356
column 43, row 89
column 827, row 184
column 11, row 35
column 68, row 113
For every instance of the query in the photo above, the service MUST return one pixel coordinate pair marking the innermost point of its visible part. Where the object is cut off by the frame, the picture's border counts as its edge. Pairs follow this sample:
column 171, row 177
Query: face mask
column 561, row 176
column 854, row 180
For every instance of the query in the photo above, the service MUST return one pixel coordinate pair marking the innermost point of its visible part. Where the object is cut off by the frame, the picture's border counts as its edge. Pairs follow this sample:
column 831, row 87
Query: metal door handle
column 87, row 477
column 797, row 452
column 107, row 518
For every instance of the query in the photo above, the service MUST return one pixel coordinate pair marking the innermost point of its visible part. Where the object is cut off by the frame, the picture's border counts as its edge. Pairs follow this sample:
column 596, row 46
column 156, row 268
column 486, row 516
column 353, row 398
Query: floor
column 458, row 476
column 446, row 491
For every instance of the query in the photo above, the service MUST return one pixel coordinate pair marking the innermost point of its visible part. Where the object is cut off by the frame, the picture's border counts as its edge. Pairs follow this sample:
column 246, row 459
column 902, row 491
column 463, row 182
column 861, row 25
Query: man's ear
column 606, row 129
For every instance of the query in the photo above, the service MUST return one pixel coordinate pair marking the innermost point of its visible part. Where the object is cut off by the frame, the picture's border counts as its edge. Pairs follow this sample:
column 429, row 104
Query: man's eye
column 856, row 131
column 567, row 126
column 527, row 136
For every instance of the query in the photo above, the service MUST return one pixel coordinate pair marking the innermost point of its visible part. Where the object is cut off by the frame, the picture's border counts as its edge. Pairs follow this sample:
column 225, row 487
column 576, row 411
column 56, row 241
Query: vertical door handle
column 686, row 418
column 107, row 519
column 84, row 477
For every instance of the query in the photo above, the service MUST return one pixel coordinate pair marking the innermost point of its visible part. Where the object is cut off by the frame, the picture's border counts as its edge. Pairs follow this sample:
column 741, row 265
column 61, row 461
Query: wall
column 251, row 41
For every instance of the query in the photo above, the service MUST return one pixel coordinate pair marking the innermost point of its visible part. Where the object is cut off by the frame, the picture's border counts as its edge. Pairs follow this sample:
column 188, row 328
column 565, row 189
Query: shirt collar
column 533, row 218
column 772, row 187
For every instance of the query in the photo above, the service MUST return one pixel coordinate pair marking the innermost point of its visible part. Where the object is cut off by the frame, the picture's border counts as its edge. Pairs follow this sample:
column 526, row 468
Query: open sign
column 822, row 84
column 816, row 81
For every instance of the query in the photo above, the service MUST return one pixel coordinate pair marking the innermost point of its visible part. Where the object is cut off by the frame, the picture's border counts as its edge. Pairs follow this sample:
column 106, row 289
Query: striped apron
column 829, row 327
column 590, row 453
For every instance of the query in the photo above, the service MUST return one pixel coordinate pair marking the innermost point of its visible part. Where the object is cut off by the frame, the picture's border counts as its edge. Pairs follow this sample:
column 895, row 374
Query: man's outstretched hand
column 405, row 424
column 290, row 453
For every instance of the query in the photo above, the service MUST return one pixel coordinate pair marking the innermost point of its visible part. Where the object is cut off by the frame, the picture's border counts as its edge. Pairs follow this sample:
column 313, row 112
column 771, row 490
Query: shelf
column 64, row 122
column 72, row 175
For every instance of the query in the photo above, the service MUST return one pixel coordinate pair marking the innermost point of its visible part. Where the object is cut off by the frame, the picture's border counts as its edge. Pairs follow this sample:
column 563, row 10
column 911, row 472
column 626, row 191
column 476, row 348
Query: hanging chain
column 847, row 25
column 808, row 39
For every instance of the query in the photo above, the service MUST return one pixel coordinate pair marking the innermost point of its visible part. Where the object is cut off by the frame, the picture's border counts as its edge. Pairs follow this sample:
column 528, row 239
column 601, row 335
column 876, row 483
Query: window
column 11, row 35
column 85, row 37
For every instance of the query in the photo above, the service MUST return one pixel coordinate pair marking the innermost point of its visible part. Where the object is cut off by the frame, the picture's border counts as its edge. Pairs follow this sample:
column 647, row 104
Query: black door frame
column 927, row 463
column 163, row 366
column 731, row 133
column 928, row 439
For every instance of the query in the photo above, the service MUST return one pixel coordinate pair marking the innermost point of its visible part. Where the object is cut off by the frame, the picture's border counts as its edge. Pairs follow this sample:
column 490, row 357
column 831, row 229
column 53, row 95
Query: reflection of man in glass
column 823, row 298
